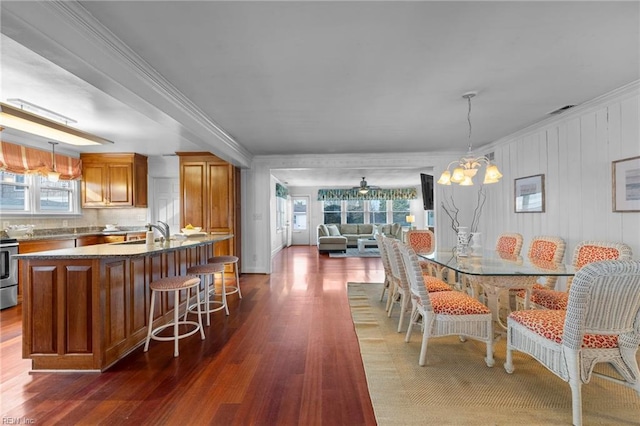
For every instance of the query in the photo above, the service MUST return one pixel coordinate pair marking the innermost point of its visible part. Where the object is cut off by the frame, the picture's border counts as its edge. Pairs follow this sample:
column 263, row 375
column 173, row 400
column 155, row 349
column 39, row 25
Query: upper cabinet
column 114, row 180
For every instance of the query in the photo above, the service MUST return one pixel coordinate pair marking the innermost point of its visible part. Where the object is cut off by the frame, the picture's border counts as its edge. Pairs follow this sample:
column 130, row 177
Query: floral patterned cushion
column 506, row 244
column 543, row 250
column 522, row 293
column 456, row 303
column 550, row 325
column 550, row 299
column 421, row 242
column 434, row 284
column 590, row 254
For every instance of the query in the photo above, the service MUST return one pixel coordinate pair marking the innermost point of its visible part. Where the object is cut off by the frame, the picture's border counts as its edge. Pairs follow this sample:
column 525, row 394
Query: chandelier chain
column 469, row 120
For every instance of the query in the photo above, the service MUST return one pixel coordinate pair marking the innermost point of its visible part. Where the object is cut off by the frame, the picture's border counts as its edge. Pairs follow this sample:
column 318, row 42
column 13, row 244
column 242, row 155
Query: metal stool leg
column 176, row 317
column 150, row 324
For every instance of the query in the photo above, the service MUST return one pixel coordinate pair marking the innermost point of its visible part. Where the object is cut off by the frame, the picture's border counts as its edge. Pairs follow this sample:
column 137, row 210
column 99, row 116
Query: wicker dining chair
column 401, row 280
column 509, row 243
column 600, row 325
column 444, row 313
column 584, row 253
column 384, row 256
column 546, row 249
column 400, row 293
column 422, row 241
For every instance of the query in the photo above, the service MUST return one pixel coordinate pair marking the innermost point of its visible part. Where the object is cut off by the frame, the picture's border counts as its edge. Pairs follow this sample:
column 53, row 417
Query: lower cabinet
column 86, row 314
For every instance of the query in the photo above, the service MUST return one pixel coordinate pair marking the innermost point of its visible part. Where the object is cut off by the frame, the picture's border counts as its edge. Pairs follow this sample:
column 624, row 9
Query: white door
column 288, row 220
column 166, row 202
column 300, row 220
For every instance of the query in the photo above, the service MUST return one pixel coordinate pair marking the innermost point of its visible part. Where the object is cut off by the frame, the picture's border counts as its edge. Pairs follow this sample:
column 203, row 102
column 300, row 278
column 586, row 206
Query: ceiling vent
column 560, row 110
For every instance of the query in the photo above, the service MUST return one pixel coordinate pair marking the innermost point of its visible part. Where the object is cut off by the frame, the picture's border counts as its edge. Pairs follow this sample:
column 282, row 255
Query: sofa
column 337, row 237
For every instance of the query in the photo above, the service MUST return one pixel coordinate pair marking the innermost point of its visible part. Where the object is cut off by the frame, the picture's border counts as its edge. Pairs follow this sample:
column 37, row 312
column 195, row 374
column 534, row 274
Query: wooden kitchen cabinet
column 31, row 246
column 114, row 180
column 89, row 240
column 209, row 188
column 113, row 238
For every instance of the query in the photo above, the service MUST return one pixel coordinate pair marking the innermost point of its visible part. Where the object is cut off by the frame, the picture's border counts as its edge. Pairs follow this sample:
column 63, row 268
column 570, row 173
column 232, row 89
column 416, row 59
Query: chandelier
column 468, row 166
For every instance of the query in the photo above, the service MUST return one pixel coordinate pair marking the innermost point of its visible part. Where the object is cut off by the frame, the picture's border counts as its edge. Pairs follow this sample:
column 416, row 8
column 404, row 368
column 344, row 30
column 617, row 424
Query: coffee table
column 366, row 242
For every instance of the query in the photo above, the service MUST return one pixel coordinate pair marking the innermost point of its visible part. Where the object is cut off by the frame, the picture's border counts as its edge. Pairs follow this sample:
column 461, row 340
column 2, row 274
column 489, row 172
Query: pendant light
column 53, row 175
column 468, row 166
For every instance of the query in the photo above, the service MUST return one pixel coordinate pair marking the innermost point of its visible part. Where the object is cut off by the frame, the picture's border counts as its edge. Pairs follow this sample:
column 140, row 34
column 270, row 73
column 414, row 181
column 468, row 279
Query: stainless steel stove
column 8, row 273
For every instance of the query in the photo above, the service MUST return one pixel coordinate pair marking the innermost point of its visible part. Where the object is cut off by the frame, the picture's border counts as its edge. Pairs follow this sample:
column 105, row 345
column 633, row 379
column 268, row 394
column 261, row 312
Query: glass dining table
column 496, row 272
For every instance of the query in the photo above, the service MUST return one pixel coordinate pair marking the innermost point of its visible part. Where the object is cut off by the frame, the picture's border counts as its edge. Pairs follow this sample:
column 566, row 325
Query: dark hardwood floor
column 286, row 355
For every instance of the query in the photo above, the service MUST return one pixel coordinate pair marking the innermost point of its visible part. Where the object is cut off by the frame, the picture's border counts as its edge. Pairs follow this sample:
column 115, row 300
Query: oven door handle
column 6, row 266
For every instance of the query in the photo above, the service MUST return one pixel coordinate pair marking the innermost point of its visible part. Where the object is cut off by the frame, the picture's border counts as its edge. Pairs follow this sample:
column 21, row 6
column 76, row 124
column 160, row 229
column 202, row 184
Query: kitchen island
column 85, row 308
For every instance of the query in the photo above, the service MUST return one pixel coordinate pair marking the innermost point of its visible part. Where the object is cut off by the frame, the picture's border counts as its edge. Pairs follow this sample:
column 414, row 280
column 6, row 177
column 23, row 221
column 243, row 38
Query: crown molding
column 354, row 160
column 627, row 91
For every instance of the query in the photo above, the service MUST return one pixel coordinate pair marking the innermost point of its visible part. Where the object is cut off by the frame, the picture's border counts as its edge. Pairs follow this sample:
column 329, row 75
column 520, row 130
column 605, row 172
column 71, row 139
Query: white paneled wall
column 575, row 154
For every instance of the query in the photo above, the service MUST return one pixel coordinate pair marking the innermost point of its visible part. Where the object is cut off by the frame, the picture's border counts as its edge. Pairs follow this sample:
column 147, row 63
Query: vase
column 475, row 244
column 462, row 248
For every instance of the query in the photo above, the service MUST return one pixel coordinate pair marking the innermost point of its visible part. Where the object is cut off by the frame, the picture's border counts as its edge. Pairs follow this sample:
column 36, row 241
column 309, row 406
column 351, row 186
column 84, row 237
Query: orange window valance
column 25, row 160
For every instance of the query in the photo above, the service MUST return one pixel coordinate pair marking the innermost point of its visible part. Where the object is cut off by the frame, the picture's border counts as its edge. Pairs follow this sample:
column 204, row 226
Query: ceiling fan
column 364, row 188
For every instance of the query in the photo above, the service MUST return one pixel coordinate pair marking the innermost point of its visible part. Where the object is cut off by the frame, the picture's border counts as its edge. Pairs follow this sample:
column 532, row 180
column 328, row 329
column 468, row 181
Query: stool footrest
column 231, row 289
column 205, row 307
column 157, row 330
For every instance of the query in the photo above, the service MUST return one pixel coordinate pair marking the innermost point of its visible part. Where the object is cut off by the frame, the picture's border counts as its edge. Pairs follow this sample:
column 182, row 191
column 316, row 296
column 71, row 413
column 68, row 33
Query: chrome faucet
column 163, row 228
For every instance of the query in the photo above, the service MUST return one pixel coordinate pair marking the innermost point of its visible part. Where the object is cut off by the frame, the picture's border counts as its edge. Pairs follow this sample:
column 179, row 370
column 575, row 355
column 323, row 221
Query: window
column 34, row 194
column 14, row 193
column 332, row 212
column 400, row 211
column 299, row 214
column 377, row 211
column 281, row 205
column 355, row 211
column 366, row 211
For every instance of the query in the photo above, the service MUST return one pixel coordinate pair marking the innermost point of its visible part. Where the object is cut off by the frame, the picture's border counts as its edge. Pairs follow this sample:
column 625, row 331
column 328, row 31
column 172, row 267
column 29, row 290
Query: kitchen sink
column 132, row 242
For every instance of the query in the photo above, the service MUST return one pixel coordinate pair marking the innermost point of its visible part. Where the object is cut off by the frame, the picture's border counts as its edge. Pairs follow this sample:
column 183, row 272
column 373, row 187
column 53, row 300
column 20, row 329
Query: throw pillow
column 333, row 230
column 396, row 229
column 323, row 231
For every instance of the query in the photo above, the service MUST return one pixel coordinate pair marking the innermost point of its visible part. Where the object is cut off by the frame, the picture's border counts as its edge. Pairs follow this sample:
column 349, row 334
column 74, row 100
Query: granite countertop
column 71, row 233
column 124, row 249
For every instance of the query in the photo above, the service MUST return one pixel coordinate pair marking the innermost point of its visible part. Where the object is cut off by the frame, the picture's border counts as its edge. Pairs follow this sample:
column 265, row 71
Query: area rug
column 457, row 388
column 354, row 252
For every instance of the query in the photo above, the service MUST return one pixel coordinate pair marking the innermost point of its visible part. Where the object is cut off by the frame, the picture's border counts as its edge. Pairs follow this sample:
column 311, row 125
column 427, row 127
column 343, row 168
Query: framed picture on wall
column 626, row 185
column 529, row 194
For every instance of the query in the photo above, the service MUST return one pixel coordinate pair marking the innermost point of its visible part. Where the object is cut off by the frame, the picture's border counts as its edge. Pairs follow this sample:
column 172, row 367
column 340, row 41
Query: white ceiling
column 243, row 79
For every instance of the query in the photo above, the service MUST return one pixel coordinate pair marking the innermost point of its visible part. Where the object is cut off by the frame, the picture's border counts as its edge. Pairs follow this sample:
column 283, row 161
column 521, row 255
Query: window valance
column 25, row 160
column 281, row 191
column 373, row 194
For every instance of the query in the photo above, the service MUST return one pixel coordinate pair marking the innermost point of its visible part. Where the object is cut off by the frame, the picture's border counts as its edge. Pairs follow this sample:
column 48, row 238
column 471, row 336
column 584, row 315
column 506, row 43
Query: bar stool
column 207, row 273
column 175, row 284
column 229, row 260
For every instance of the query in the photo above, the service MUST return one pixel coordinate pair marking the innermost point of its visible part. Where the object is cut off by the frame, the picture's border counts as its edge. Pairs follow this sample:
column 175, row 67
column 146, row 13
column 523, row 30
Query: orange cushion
column 456, row 303
column 589, row 254
column 521, row 292
column 420, row 241
column 435, row 284
column 543, row 250
column 550, row 299
column 506, row 244
column 550, row 325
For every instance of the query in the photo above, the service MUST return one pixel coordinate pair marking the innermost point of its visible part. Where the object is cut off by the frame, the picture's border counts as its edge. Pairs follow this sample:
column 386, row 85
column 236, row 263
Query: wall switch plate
column 65, row 223
column 5, row 224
